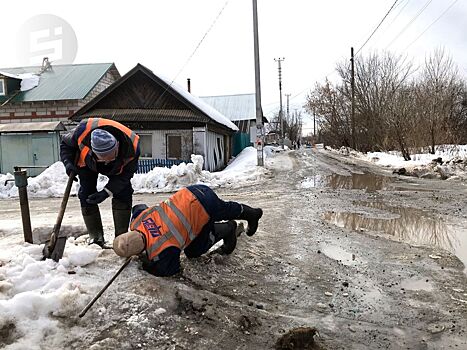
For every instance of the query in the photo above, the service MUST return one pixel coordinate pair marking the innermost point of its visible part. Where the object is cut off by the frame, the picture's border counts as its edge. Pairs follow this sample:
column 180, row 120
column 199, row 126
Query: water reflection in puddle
column 369, row 182
column 341, row 255
column 404, row 224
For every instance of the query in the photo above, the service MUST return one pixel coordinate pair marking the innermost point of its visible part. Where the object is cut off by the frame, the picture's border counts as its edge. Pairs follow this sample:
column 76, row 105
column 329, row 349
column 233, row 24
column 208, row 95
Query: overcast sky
column 311, row 35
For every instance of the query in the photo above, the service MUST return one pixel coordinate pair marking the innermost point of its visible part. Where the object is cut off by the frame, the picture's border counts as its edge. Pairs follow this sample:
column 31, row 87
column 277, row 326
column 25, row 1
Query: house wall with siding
column 46, row 111
column 159, row 142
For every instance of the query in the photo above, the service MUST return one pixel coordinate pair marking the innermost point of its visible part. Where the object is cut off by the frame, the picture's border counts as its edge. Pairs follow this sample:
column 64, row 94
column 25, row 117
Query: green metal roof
column 61, row 82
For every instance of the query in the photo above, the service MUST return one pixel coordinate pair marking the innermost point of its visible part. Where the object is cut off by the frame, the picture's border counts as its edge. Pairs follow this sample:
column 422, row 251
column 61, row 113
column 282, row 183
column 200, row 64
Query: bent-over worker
column 188, row 221
column 102, row 146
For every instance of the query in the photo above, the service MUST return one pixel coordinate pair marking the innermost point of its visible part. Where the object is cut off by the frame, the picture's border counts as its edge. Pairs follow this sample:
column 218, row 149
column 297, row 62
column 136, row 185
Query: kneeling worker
column 187, row 221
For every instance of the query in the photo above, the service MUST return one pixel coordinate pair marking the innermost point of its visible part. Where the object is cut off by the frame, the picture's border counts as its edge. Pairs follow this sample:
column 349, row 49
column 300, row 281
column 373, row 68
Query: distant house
column 35, row 106
column 172, row 123
column 61, row 90
column 241, row 110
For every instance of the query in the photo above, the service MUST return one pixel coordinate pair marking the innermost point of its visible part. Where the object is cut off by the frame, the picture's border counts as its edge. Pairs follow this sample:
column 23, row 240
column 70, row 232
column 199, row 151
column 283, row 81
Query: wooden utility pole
column 352, row 84
column 259, row 114
column 279, row 60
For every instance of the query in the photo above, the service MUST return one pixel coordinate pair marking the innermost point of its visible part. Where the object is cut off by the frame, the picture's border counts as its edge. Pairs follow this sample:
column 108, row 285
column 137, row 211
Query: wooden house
column 172, row 123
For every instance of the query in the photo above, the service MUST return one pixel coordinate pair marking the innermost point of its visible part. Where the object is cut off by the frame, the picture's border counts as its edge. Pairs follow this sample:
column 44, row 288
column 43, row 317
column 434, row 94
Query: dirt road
column 337, row 249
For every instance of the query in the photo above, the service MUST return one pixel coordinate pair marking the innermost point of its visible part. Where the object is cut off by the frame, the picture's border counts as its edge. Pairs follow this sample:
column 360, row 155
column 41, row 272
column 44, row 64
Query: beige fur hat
column 129, row 244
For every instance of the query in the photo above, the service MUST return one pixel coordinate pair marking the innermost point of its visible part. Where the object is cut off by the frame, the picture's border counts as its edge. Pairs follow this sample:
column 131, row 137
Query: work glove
column 71, row 168
column 97, row 197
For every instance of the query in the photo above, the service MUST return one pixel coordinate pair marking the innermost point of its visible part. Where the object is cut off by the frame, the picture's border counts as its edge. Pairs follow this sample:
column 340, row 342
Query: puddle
column 341, row 255
column 369, row 182
column 408, row 225
column 313, row 182
column 417, row 284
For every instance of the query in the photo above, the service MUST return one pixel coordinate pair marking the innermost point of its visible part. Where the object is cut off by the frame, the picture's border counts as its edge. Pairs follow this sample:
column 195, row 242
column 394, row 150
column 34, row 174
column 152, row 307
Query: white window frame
column 2, row 85
column 152, row 141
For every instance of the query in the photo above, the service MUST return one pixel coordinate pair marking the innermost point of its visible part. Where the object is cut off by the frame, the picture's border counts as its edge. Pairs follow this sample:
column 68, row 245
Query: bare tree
column 438, row 90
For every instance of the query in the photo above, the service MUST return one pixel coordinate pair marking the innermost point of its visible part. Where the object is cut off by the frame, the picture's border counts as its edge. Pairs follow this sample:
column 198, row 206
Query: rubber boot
column 121, row 212
column 252, row 215
column 93, row 222
column 228, row 232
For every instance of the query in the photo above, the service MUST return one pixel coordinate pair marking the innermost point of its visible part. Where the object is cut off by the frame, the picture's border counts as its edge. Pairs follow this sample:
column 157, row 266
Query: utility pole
column 352, row 84
column 259, row 114
column 288, row 115
column 279, row 60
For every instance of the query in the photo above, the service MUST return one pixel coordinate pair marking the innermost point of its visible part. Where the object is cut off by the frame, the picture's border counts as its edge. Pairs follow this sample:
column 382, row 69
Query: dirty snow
column 34, row 293
column 448, row 162
column 240, row 172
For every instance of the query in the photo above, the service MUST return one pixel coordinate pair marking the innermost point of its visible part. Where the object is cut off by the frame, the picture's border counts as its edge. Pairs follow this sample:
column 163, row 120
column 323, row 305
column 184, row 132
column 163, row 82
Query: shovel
column 54, row 247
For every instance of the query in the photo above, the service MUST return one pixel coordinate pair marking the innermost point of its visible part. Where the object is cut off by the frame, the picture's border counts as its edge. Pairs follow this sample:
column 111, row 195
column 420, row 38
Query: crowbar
column 91, row 303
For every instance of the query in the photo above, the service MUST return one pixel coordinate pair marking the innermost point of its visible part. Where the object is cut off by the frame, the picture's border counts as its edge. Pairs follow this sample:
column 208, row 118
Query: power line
column 374, row 31
column 432, row 23
column 194, row 51
column 202, row 39
column 398, row 14
column 411, row 21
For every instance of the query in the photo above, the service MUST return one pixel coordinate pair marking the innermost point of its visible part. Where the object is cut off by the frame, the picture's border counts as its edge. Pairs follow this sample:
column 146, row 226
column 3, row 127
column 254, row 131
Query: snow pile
column 448, row 162
column 241, row 171
column 50, row 183
column 35, row 294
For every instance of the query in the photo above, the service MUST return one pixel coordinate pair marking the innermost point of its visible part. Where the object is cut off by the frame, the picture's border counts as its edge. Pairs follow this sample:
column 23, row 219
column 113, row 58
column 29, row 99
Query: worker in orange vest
column 190, row 220
column 102, row 146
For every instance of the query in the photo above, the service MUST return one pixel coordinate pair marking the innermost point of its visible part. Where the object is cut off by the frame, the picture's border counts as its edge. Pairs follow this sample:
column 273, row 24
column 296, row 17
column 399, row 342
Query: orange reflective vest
column 94, row 123
column 174, row 223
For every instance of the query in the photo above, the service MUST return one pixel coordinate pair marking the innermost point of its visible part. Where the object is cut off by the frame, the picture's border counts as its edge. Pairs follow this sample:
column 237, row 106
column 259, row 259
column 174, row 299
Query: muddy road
column 370, row 259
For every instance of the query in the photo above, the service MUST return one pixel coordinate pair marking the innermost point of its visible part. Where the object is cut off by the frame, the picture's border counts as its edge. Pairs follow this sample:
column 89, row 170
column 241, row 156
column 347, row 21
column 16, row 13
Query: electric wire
column 194, row 51
column 374, row 31
column 410, row 22
column 398, row 14
column 202, row 39
column 432, row 23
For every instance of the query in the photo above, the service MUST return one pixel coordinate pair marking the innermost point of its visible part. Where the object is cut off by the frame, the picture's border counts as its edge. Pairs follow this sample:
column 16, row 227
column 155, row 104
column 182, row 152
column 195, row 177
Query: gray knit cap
column 102, row 142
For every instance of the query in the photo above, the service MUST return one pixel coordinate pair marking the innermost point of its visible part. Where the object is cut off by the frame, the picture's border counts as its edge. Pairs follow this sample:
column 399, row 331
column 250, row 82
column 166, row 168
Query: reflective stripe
column 95, row 123
column 159, row 244
column 171, row 227
column 182, row 218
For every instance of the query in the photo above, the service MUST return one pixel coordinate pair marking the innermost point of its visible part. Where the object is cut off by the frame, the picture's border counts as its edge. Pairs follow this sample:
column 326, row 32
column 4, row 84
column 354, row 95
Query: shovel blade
column 54, row 248
column 57, row 252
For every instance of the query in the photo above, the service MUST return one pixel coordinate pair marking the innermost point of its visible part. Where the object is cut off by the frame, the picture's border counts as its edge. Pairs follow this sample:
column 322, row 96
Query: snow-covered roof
column 235, row 107
column 28, row 80
column 198, row 102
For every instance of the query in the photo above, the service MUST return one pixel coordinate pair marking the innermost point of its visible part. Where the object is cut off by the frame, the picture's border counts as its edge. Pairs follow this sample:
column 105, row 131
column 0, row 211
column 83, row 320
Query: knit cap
column 129, row 244
column 103, row 142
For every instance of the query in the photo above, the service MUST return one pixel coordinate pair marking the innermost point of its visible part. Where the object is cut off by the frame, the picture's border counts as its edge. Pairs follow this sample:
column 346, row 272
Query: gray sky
column 311, row 35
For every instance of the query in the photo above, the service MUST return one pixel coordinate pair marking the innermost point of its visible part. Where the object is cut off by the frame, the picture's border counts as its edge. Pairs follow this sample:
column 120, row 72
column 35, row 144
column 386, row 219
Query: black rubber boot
column 121, row 213
column 252, row 215
column 228, row 232
column 93, row 222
